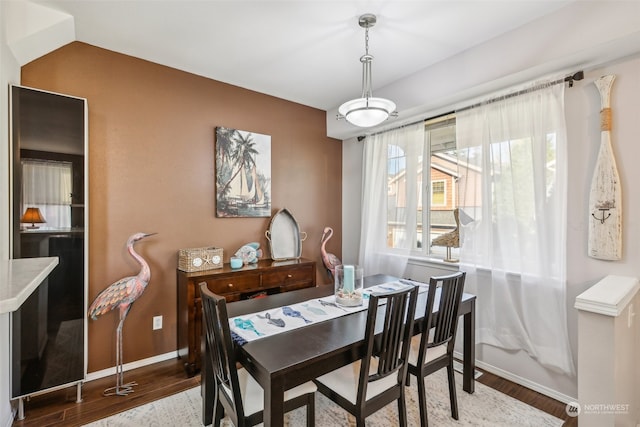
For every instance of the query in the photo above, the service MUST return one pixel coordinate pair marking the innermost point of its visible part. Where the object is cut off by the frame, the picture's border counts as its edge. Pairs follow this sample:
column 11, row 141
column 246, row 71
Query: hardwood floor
column 528, row 396
column 59, row 408
column 166, row 378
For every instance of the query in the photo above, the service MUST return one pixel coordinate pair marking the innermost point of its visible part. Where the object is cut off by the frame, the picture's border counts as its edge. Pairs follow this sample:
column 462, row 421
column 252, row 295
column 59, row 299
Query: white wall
column 9, row 73
column 583, row 123
column 352, row 151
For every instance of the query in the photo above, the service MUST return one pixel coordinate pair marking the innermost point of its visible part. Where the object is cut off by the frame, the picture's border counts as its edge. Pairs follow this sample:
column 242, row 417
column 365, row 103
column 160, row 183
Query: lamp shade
column 33, row 216
column 367, row 112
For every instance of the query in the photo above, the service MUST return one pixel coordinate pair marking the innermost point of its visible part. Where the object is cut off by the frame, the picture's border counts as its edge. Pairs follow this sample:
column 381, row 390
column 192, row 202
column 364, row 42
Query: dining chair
column 236, row 392
column 437, row 340
column 377, row 379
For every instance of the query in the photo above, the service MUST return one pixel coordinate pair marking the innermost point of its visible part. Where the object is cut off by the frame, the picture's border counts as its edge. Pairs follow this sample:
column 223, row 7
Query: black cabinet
column 48, row 329
column 48, row 133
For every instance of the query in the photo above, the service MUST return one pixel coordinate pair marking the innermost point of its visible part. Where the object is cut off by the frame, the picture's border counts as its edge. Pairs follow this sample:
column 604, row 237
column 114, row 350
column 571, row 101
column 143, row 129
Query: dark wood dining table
column 282, row 361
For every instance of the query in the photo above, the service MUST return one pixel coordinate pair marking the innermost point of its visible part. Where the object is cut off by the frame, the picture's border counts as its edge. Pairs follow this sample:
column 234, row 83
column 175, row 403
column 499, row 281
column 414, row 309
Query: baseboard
column 459, row 367
column 132, row 365
column 561, row 397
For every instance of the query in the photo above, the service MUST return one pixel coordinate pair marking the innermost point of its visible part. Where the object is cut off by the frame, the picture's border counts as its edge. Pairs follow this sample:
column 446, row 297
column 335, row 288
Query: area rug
column 485, row 408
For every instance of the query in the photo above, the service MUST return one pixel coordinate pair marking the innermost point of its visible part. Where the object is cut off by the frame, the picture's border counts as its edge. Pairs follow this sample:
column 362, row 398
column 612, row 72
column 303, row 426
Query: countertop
column 20, row 277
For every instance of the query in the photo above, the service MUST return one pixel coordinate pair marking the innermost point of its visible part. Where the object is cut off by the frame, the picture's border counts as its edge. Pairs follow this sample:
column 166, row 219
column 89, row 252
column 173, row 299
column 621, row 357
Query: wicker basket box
column 200, row 259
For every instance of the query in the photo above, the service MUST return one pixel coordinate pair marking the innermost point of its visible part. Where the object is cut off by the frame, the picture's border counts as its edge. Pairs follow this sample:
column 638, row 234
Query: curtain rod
column 578, row 75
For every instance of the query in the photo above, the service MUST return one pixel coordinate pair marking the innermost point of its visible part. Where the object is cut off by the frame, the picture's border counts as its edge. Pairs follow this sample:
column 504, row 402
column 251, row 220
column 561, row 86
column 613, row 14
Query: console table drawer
column 233, row 284
column 286, row 276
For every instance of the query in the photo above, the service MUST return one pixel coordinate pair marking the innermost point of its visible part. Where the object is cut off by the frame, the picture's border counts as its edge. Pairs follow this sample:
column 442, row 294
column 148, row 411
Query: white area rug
column 486, row 407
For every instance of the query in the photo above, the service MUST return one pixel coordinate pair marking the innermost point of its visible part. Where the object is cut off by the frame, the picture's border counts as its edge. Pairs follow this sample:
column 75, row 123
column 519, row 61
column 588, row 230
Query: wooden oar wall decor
column 605, row 198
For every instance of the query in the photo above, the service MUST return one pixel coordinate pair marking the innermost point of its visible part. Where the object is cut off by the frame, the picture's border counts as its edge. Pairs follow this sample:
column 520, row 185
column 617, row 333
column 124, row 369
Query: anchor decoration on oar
column 605, row 198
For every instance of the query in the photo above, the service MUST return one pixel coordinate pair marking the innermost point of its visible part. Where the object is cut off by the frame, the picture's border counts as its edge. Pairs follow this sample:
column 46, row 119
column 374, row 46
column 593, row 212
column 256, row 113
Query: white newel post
column 609, row 353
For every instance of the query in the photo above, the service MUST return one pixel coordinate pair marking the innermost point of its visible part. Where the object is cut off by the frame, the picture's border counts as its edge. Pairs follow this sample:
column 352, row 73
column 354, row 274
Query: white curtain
column 513, row 190
column 379, row 251
column 47, row 185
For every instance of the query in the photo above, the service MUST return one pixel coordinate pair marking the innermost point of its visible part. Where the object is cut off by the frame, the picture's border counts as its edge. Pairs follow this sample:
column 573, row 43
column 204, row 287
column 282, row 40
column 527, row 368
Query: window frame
column 422, row 170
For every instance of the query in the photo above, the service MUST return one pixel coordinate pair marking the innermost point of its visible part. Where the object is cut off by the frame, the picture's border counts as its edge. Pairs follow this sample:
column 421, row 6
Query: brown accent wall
column 151, row 169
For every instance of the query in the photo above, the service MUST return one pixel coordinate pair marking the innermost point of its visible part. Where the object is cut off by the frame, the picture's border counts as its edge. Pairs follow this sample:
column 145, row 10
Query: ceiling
column 305, row 51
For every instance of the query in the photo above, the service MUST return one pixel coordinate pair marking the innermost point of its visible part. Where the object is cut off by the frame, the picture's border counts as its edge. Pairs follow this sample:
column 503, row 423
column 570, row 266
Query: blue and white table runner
column 258, row 325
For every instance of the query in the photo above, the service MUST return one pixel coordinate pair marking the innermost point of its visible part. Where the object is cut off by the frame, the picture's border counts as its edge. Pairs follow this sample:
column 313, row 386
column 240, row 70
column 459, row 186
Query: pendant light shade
column 367, row 111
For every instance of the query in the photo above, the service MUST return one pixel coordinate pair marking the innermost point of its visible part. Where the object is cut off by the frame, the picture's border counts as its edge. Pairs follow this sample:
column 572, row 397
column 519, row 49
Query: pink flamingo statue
column 121, row 295
column 329, row 260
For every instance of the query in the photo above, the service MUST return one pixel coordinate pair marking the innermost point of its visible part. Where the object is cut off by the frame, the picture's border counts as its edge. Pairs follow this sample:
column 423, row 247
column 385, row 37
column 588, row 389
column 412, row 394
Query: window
column 47, row 185
column 438, row 193
column 435, row 184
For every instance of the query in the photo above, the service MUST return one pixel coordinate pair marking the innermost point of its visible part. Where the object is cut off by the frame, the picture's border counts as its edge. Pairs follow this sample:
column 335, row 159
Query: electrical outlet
column 157, row 322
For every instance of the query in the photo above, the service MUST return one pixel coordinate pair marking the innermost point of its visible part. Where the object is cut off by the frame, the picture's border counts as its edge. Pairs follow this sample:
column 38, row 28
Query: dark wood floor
column 528, row 396
column 58, row 408
column 166, row 378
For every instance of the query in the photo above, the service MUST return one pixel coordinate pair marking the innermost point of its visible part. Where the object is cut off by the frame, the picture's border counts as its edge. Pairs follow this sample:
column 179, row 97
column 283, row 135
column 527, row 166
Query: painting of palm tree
column 243, row 173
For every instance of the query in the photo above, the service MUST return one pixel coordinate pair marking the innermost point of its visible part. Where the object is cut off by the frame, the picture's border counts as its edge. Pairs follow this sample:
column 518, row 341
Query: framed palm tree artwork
column 243, row 174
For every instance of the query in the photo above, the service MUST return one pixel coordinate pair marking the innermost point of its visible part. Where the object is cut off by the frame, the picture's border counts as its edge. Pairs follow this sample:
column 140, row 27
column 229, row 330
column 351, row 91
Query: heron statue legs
column 121, row 389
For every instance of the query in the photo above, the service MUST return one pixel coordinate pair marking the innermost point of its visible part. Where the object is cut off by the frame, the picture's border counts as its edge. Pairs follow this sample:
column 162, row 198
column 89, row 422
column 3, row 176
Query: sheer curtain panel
column 513, row 164
column 388, row 220
column 47, row 185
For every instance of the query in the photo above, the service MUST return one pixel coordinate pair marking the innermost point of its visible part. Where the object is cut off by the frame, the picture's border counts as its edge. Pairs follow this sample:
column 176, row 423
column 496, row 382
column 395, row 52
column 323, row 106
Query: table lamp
column 33, row 216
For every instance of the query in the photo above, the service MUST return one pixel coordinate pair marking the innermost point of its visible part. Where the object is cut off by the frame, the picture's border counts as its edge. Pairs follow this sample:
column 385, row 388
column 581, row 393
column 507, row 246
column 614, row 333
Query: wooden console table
column 267, row 276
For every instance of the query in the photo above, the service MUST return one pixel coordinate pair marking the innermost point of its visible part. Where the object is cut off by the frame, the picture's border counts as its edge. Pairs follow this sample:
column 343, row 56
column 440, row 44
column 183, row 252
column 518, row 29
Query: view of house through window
column 436, row 183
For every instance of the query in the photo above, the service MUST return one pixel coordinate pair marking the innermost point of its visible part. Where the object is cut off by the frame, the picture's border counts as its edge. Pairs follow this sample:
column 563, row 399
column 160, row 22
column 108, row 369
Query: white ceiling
column 305, row 51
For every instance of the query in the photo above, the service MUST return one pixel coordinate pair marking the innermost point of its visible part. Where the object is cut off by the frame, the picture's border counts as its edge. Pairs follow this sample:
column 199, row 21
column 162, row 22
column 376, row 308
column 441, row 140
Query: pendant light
column 367, row 111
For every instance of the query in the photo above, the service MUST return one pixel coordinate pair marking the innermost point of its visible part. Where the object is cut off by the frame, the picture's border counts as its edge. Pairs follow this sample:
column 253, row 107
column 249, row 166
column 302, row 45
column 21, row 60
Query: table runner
column 258, row 325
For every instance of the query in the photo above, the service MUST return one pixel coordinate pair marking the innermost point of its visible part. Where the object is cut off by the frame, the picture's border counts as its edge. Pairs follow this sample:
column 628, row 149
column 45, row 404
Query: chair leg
column 311, row 410
column 422, row 401
column 452, row 391
column 218, row 413
column 402, row 410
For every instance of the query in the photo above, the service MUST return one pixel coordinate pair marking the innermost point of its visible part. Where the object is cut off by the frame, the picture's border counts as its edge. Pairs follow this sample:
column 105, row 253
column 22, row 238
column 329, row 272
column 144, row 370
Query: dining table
column 282, row 361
